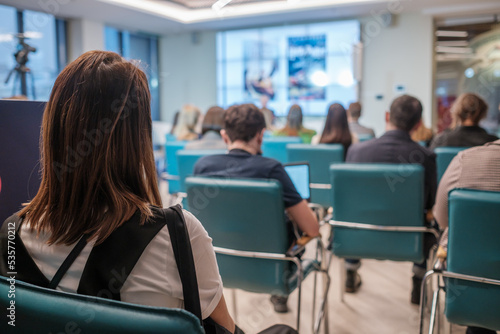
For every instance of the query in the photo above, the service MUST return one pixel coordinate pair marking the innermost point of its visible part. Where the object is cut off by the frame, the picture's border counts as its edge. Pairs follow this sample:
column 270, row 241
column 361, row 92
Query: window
column 139, row 47
column 44, row 48
column 311, row 65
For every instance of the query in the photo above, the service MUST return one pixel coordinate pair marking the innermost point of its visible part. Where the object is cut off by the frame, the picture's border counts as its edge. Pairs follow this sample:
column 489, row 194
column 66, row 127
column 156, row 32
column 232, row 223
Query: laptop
column 299, row 174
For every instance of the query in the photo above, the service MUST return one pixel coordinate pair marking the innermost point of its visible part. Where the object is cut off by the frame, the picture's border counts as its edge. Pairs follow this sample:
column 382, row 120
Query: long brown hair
column 96, row 151
column 336, row 127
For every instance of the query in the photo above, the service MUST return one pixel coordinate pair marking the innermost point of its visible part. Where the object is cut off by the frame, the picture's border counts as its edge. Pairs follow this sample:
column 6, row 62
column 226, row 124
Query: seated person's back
column 467, row 111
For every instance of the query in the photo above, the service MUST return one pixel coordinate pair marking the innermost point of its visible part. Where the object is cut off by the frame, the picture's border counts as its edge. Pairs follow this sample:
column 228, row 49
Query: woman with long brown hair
column 336, row 129
column 294, row 127
column 99, row 191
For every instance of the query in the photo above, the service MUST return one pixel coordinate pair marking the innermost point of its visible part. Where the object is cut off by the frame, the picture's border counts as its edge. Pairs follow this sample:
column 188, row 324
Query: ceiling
column 165, row 17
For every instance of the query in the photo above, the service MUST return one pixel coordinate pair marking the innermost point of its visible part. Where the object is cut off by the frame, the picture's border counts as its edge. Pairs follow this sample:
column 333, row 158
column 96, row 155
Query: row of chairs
column 373, row 217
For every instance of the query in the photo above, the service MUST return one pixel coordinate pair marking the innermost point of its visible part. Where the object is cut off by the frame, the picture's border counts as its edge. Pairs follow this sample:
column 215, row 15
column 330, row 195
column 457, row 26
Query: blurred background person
column 186, row 123
column 294, row 127
column 336, row 130
column 422, row 134
column 210, row 139
column 353, row 115
column 467, row 111
column 268, row 113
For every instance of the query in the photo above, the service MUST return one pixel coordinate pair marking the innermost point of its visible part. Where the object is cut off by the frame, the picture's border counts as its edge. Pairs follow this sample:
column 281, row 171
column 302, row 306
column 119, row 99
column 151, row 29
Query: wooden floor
column 381, row 306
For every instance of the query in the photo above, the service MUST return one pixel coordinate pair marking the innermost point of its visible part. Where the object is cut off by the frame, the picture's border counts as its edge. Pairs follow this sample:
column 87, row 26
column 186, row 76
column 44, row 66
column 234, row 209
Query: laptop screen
column 299, row 174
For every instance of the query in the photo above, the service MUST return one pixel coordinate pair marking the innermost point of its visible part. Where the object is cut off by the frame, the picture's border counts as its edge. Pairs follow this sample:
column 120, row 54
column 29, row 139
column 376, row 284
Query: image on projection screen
column 311, row 65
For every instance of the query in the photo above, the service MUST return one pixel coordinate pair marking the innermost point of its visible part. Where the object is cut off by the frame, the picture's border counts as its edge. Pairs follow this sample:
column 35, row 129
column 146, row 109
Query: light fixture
column 319, row 78
column 220, row 4
column 453, row 43
column 446, row 49
column 451, row 33
column 469, row 73
column 345, row 78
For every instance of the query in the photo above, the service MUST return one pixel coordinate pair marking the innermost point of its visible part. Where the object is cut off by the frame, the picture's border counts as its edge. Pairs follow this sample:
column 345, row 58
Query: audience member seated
column 396, row 146
column 353, row 114
column 174, row 122
column 210, row 132
column 422, row 134
column 294, row 127
column 107, row 201
column 474, row 168
column 186, row 123
column 244, row 127
column 336, row 130
column 268, row 113
column 467, row 111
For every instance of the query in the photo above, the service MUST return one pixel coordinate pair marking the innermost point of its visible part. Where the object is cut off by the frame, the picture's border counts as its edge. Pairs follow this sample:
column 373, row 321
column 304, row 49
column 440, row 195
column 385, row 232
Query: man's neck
column 390, row 127
column 241, row 145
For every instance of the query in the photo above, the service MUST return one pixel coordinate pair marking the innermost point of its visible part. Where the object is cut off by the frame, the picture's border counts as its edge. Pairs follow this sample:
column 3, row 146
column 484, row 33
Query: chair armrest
column 169, row 177
column 318, row 210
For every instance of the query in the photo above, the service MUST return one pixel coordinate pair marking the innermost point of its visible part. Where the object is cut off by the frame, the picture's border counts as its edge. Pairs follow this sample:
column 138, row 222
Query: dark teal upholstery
column 171, row 149
column 379, row 194
column 186, row 159
column 444, row 155
column 40, row 310
column 275, row 147
column 245, row 215
column 474, row 249
column 364, row 137
column 320, row 157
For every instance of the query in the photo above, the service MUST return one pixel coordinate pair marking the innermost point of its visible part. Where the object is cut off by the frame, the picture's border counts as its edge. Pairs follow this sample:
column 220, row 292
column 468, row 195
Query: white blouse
column 154, row 280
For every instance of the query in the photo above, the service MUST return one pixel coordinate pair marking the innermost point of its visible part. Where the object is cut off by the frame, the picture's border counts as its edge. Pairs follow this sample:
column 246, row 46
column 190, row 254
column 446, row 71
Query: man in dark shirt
column 396, row 146
column 243, row 132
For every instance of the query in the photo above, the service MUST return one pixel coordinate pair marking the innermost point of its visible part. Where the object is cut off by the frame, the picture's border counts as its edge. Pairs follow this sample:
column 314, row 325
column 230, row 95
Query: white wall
column 187, row 72
column 83, row 36
column 401, row 54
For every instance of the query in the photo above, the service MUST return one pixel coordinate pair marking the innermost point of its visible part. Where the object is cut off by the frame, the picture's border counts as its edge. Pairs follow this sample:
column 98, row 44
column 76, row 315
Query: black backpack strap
column 183, row 253
column 68, row 262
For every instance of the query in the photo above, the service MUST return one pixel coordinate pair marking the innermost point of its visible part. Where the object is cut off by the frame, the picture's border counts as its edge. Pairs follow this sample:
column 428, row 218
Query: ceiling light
column 446, row 49
column 469, row 73
column 453, row 43
column 451, row 33
column 220, row 4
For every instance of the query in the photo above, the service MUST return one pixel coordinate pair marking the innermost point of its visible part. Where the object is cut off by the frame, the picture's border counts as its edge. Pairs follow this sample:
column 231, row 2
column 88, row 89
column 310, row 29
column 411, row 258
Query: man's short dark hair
column 243, row 122
column 354, row 110
column 405, row 113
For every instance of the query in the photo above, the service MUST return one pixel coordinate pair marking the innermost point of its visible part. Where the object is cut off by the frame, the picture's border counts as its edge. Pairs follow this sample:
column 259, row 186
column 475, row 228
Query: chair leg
column 299, row 298
column 314, row 300
column 423, row 299
column 235, row 306
column 342, row 279
column 323, row 311
column 434, row 309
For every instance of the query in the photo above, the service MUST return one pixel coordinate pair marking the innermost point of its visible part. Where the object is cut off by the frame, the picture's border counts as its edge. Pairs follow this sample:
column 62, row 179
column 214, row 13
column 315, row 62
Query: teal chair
column 319, row 157
column 41, row 310
column 378, row 212
column 170, row 137
column 472, row 275
column 364, row 137
column 444, row 155
column 186, row 159
column 172, row 174
column 246, row 220
column 275, row 147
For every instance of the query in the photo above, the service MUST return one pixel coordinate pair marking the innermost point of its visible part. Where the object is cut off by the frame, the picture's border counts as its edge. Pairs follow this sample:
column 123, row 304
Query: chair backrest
column 474, row 249
column 41, row 310
column 186, row 159
column 171, row 149
column 320, row 157
column 364, row 137
column 444, row 155
column 245, row 215
column 275, row 147
column 379, row 194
